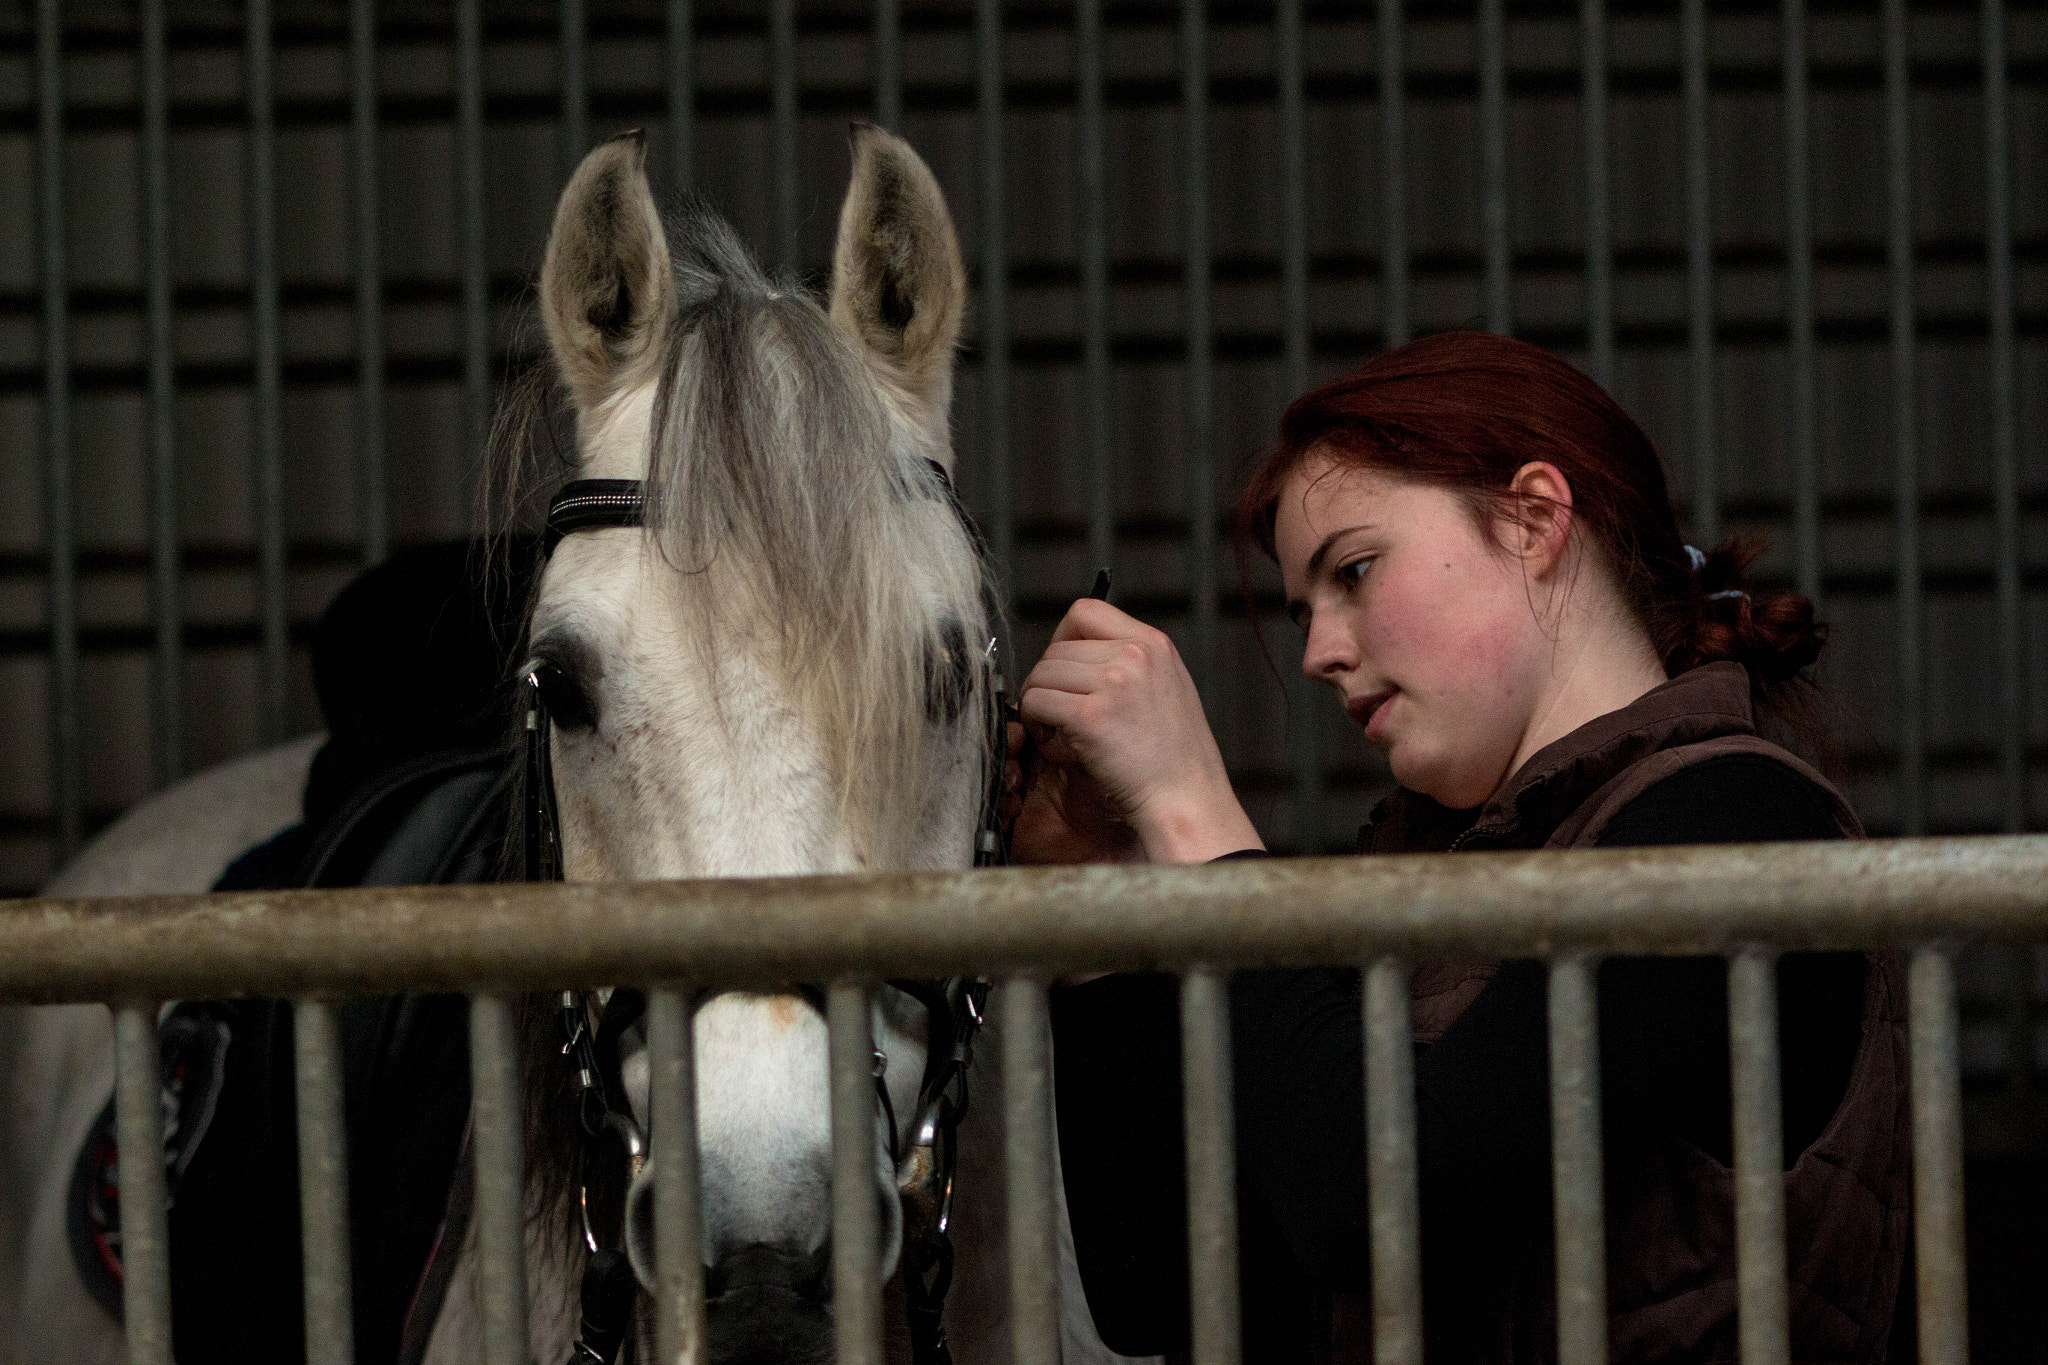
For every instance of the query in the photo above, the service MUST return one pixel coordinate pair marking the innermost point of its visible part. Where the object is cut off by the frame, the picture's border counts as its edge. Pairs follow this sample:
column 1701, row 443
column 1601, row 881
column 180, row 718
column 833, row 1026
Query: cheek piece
column 925, row 1155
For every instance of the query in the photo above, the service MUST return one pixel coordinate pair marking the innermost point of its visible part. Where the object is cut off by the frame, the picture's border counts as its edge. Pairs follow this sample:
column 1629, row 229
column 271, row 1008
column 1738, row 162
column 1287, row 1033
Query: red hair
column 1465, row 410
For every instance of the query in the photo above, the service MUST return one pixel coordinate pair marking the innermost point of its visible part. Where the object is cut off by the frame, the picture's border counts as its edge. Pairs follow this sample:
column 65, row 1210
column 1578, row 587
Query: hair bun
column 1772, row 632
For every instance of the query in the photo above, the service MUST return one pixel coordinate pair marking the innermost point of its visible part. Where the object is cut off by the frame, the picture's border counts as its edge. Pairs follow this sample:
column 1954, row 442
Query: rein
column 954, row 1007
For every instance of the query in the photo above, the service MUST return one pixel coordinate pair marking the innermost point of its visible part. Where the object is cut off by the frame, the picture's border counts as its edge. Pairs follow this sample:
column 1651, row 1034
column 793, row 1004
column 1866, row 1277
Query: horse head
column 778, row 671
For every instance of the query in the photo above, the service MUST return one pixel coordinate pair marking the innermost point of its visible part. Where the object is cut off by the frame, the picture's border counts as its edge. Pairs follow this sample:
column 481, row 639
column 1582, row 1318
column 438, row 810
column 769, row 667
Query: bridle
column 925, row 1154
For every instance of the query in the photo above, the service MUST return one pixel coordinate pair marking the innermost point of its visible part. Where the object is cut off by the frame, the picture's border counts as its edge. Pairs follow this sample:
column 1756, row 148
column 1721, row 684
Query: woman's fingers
column 1091, row 618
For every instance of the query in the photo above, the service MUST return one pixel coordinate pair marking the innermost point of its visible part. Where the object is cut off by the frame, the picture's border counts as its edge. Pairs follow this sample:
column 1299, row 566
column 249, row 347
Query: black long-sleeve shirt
column 1482, row 1105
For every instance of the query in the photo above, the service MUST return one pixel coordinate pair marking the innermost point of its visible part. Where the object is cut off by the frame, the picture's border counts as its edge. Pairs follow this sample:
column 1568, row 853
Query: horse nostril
column 761, row 1266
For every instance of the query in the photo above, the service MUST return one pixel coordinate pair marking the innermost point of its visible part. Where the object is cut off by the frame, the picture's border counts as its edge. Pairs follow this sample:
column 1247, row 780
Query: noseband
column 929, row 1147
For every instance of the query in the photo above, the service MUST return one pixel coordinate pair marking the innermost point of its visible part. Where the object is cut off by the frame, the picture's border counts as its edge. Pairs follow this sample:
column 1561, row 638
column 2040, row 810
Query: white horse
column 765, row 679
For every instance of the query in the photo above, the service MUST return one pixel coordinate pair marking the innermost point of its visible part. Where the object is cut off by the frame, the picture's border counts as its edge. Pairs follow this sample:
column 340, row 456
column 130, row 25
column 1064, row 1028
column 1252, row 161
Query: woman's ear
column 1539, row 526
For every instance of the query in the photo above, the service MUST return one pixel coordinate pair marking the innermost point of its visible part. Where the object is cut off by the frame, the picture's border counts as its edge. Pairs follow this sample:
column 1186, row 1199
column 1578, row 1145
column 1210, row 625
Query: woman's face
column 1427, row 631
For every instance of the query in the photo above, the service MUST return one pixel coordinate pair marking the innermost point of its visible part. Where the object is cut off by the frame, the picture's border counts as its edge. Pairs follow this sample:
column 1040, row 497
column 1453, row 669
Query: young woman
column 1477, row 545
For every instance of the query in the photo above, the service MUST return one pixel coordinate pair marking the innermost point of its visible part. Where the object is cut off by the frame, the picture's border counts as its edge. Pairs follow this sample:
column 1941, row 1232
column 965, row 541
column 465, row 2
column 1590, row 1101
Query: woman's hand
column 1123, row 740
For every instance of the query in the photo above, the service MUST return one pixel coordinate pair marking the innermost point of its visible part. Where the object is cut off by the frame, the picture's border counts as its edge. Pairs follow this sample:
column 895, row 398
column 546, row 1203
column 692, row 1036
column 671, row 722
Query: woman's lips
column 1370, row 711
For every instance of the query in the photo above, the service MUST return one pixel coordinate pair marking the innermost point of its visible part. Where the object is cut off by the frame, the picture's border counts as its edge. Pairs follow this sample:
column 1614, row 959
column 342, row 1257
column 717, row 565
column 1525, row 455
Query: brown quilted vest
column 1671, row 1234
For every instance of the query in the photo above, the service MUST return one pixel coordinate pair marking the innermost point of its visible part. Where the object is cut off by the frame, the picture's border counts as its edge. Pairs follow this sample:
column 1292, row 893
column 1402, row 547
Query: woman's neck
column 1599, row 667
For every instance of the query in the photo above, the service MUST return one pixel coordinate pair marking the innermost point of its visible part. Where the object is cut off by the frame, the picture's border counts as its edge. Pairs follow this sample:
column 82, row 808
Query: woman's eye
column 1350, row 574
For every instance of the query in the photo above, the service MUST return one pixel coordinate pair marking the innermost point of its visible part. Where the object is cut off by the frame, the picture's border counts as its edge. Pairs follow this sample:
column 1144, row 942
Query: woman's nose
column 1329, row 650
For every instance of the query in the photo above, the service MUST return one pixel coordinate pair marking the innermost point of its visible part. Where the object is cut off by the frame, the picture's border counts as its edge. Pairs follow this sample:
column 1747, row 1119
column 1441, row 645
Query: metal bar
column 145, row 1223
column 167, row 666
column 1094, row 285
column 682, row 96
column 856, row 1216
column 323, row 1185
column 1799, row 302
column 2005, row 470
column 1027, row 1141
column 1493, row 164
column 1575, row 1161
column 1840, row 894
column 500, row 1183
column 573, row 127
column 1198, row 391
column 369, row 269
column 1393, row 174
column 786, row 204
column 1599, row 214
column 889, row 64
column 1211, row 1133
column 1912, row 737
column 994, row 312
column 1294, row 371
column 469, row 214
column 1699, row 275
column 678, row 1198
column 60, row 536
column 1937, row 1159
column 1294, row 339
column 1759, row 1158
column 266, row 374
column 1391, row 1167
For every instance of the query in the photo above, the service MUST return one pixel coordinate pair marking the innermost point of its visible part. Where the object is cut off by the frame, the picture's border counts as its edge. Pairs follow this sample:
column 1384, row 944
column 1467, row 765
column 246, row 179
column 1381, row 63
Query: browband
column 598, row 504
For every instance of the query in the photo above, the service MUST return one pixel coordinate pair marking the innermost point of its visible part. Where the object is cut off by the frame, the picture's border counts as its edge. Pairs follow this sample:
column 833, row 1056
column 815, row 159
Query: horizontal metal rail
column 1022, row 921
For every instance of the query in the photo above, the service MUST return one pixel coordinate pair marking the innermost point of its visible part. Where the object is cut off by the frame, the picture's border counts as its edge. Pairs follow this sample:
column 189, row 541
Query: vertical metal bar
column 1759, row 1158
column 1391, row 1167
column 60, row 537
column 678, row 1200
column 1294, row 338
column 1493, row 163
column 469, row 213
column 994, row 325
column 1599, row 214
column 1028, row 1138
column 856, row 1217
column 145, row 1224
column 500, row 1182
column 1699, row 275
column 1212, row 1167
column 1393, row 174
column 889, row 64
column 1937, row 1159
column 1912, row 736
column 2005, row 470
column 166, row 710
column 1198, row 392
column 573, row 127
column 323, row 1185
column 682, row 96
column 369, row 263
column 782, row 130
column 1094, row 285
column 1575, row 1161
column 1799, row 302
column 1294, row 370
column 267, row 378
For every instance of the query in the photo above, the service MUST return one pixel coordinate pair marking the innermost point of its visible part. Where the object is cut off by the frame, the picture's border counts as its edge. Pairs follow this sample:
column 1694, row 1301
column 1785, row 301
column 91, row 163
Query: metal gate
column 1028, row 926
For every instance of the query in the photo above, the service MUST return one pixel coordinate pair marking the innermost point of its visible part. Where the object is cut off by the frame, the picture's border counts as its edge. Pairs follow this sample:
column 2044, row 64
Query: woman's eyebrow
column 1315, row 561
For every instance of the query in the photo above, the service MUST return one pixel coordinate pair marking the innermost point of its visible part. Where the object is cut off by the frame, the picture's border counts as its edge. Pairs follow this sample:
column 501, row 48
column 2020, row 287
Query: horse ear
column 898, row 286
column 606, row 291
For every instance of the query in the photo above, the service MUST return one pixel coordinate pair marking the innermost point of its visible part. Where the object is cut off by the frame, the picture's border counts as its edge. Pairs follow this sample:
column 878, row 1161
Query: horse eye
column 569, row 707
column 948, row 674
